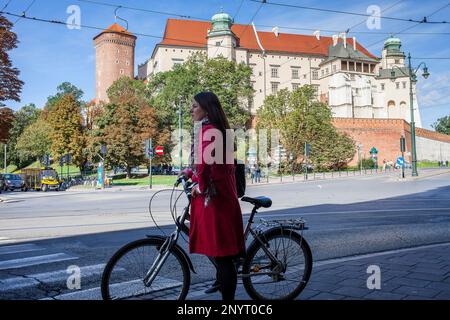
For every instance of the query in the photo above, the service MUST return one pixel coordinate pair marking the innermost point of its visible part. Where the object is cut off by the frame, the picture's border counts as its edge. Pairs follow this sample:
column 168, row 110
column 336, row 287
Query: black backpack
column 240, row 178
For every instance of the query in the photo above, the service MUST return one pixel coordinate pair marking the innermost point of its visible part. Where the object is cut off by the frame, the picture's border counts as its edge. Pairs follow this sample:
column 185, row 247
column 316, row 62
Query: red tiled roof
column 116, row 28
column 193, row 34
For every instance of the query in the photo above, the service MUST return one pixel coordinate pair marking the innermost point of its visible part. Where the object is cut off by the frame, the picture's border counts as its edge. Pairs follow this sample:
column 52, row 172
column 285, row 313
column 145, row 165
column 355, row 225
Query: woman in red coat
column 216, row 227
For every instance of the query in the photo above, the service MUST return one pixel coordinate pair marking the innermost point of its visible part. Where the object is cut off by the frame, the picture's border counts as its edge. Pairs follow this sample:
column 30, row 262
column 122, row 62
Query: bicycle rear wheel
column 262, row 278
column 123, row 277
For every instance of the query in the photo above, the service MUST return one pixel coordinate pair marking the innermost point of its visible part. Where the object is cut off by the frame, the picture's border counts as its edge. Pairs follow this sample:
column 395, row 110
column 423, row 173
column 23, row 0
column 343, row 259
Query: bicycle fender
column 177, row 248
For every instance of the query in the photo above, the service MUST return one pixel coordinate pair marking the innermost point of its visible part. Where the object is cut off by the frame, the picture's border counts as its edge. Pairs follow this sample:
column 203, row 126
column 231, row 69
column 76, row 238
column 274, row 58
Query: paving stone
column 439, row 286
column 351, row 291
column 414, row 291
column 442, row 296
column 437, row 272
column 416, row 298
column 380, row 295
column 424, row 276
column 353, row 283
column 409, row 282
column 327, row 296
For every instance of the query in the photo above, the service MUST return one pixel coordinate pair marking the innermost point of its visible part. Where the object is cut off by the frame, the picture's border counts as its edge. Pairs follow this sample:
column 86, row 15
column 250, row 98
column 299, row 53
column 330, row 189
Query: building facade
column 352, row 81
column 114, row 54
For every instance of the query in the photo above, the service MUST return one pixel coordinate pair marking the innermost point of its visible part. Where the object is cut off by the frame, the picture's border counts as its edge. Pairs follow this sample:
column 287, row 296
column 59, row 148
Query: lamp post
column 180, row 131
column 412, row 79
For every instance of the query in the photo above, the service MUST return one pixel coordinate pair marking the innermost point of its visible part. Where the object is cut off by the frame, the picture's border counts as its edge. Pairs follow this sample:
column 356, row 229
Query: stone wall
column 384, row 135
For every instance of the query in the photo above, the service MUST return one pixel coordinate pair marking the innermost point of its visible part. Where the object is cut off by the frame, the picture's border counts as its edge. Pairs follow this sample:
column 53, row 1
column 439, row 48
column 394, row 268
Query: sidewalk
column 421, row 273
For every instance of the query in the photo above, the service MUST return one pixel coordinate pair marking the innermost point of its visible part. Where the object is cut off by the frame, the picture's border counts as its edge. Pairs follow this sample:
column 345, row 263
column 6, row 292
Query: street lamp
column 412, row 79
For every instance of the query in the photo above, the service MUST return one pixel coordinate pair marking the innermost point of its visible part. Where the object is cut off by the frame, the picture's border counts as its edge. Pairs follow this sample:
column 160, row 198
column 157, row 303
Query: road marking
column 127, row 288
column 32, row 261
column 377, row 254
column 18, row 248
column 47, row 278
column 351, row 211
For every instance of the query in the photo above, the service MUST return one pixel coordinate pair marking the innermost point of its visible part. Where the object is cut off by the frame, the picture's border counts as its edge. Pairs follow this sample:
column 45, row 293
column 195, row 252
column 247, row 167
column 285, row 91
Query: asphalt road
column 42, row 235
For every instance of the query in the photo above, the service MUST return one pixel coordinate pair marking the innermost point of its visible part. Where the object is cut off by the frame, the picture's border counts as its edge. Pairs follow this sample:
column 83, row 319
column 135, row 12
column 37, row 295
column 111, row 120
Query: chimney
column 344, row 38
column 354, row 43
column 335, row 40
column 275, row 30
column 317, row 35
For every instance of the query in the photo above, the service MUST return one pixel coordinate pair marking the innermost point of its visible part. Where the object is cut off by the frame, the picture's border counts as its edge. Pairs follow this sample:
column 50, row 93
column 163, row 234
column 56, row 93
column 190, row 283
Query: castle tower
column 221, row 40
column 114, row 54
column 391, row 54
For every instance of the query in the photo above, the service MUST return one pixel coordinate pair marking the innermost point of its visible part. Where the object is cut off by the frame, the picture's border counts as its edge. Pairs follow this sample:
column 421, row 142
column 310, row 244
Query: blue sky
column 49, row 54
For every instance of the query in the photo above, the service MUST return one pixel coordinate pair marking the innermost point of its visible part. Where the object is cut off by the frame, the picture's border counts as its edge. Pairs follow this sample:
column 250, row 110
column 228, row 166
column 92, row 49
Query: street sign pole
column 150, row 156
column 402, row 149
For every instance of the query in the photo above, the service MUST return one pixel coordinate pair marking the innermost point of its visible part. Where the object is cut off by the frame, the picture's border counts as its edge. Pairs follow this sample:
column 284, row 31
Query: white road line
column 128, row 288
column 350, row 211
column 19, row 248
column 377, row 254
column 48, row 278
column 32, row 261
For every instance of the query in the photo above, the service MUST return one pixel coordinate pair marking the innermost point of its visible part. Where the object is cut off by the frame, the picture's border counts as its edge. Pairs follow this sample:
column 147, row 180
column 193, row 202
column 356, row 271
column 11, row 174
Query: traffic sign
column 400, row 161
column 159, row 150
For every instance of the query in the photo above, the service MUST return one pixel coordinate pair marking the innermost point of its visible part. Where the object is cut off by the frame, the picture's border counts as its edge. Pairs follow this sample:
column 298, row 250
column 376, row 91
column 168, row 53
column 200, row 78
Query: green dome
column 222, row 17
column 221, row 24
column 393, row 42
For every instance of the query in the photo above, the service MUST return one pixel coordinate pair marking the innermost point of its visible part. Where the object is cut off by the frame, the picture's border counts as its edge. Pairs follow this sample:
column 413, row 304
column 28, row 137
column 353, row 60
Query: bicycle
column 158, row 268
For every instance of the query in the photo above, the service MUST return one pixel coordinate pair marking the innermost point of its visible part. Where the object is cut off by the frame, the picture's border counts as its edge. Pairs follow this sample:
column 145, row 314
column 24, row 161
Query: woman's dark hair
column 209, row 102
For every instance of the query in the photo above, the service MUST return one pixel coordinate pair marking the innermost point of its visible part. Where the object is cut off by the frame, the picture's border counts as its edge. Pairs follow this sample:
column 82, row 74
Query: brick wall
column 384, row 135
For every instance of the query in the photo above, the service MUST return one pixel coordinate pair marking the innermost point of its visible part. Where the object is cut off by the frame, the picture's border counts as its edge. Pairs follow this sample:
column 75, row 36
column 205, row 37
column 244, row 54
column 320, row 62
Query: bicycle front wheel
column 123, row 277
column 283, row 279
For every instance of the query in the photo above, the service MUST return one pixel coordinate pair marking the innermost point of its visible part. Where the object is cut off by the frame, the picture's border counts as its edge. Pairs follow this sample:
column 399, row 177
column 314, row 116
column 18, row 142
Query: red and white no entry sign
column 159, row 150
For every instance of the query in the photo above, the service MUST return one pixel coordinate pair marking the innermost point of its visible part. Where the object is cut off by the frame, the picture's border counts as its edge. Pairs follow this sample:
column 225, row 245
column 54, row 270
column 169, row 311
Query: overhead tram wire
column 365, row 20
column 6, row 5
column 142, row 10
column 344, row 12
column 411, row 27
column 257, row 25
column 25, row 11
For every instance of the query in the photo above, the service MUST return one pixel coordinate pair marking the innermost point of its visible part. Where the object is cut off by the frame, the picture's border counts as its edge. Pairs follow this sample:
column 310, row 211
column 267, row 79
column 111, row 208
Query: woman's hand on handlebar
column 195, row 191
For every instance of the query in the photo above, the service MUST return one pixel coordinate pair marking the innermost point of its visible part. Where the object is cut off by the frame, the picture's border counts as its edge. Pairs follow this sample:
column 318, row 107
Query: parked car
column 42, row 179
column 13, row 182
column 2, row 184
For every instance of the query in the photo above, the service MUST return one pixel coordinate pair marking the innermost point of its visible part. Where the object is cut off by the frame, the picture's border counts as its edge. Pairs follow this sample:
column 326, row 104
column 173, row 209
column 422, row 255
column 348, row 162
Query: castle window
column 397, row 85
column 217, row 43
column 127, row 63
column 366, row 68
column 404, row 84
column 344, row 65
column 121, row 71
column 358, row 67
column 295, row 86
column 397, row 61
column 382, row 87
column 274, row 71
column 295, row 74
column 177, row 61
column 117, row 61
column 275, row 87
column 315, row 75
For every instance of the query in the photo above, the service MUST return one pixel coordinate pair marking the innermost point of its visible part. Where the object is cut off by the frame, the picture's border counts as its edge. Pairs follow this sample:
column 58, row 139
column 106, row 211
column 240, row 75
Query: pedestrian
column 216, row 226
column 257, row 173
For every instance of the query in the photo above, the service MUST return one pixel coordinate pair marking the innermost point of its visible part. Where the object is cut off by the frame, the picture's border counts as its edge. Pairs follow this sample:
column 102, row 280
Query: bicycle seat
column 258, row 201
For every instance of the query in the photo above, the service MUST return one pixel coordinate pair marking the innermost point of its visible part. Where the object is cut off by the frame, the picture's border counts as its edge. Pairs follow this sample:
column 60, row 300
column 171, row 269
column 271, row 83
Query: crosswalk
column 19, row 263
column 18, row 260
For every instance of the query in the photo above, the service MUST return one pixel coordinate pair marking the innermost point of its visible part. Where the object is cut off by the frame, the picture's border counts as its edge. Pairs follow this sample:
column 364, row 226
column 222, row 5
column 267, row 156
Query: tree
column 300, row 118
column 23, row 118
column 229, row 80
column 126, row 123
column 66, row 132
column 6, row 123
column 35, row 141
column 10, row 85
column 63, row 89
column 442, row 125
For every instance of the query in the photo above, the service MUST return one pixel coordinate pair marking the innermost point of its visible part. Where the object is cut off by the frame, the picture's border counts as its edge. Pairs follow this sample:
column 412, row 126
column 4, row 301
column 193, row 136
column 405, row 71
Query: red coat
column 217, row 229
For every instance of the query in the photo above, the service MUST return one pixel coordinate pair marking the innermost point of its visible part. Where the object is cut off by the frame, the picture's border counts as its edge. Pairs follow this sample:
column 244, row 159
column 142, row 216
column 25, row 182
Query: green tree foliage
column 127, row 121
column 63, row 89
column 228, row 80
column 300, row 118
column 10, row 85
column 23, row 118
column 34, row 142
column 66, row 132
column 442, row 125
